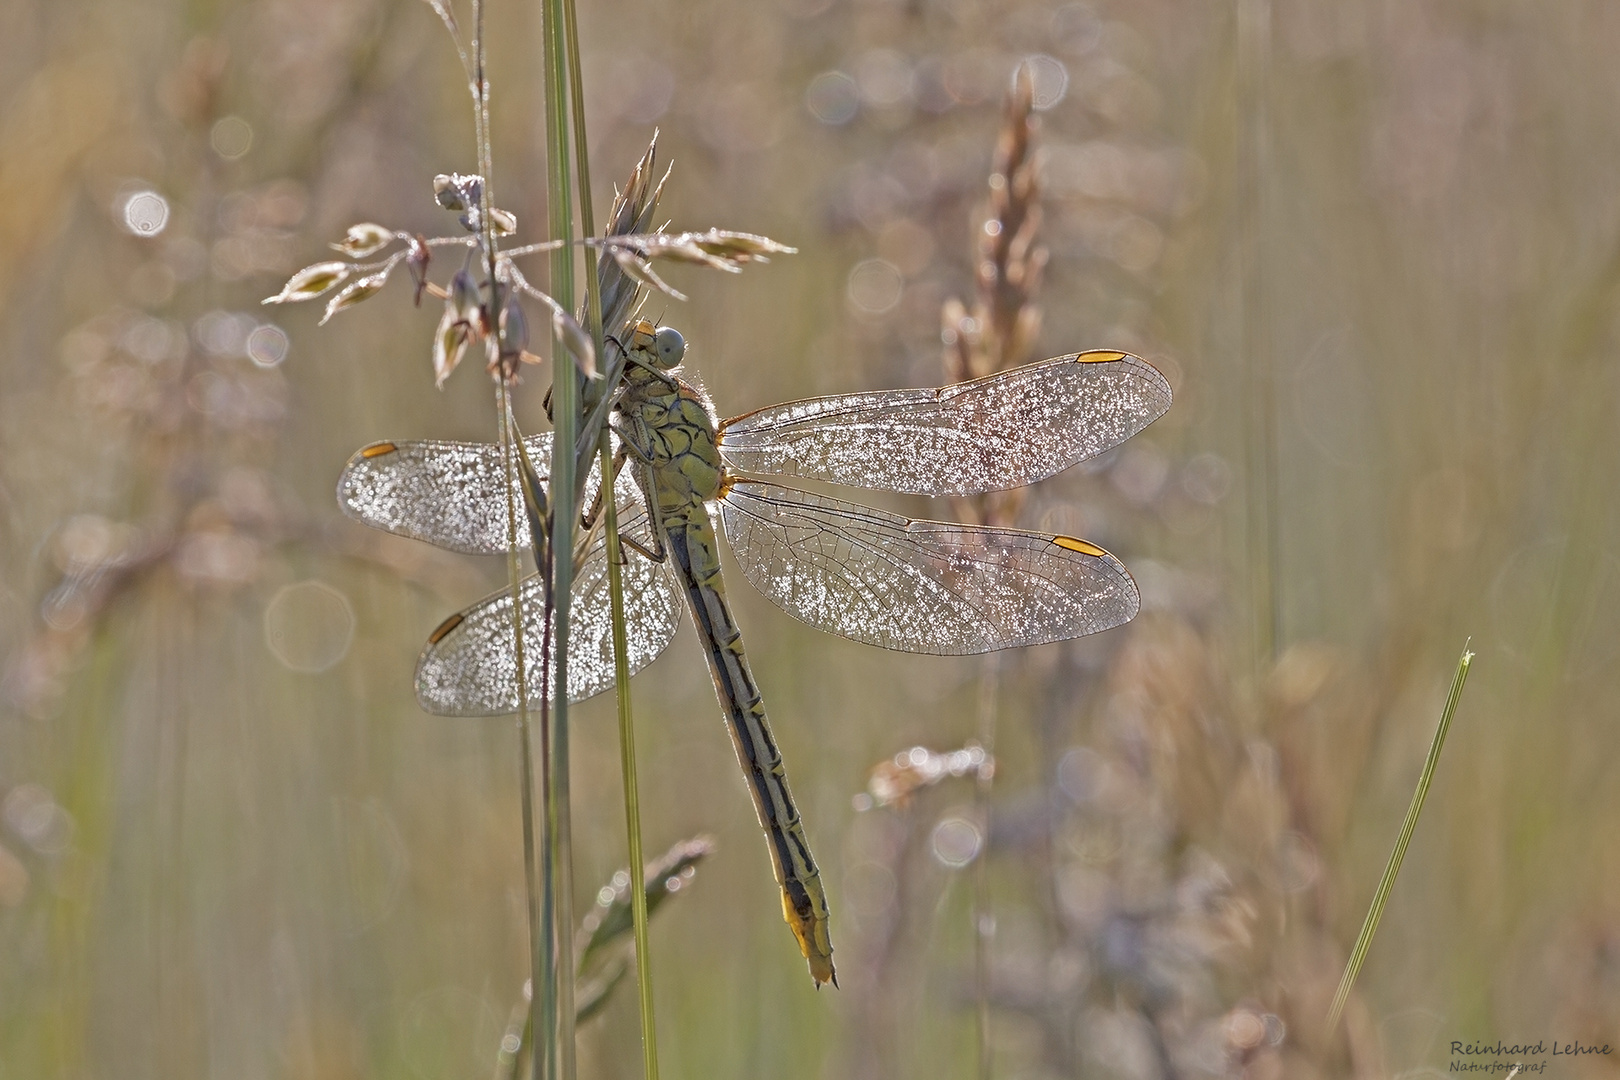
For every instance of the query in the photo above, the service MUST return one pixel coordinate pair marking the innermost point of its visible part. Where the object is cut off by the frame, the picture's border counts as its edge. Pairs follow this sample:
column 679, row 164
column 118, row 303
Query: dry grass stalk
column 998, row 331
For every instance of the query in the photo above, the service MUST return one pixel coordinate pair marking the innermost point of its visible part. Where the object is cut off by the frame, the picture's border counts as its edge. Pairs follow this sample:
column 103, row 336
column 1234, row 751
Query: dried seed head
column 458, row 192
column 310, row 282
column 354, row 292
column 450, row 342
column 418, row 259
column 893, row 782
column 364, row 240
column 739, row 247
column 504, row 222
column 633, row 212
column 639, row 270
column 514, row 327
column 576, row 341
column 717, row 248
column 465, row 301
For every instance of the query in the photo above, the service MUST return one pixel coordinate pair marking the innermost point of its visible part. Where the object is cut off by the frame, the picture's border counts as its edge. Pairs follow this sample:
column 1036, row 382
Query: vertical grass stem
column 565, row 422
column 539, row 935
column 621, row 664
column 632, row 801
column 983, row 919
column 543, row 1013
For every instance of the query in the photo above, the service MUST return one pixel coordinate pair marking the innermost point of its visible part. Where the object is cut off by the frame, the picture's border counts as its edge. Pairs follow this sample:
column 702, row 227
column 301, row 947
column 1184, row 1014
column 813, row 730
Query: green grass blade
column 627, row 761
column 538, row 951
column 565, row 408
column 621, row 667
column 582, row 166
column 1369, row 926
column 539, row 887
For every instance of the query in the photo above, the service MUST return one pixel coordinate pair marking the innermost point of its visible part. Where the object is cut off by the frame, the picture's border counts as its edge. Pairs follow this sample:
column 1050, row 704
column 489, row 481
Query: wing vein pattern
column 453, row 494
column 469, row 667
column 1002, row 431
column 919, row 586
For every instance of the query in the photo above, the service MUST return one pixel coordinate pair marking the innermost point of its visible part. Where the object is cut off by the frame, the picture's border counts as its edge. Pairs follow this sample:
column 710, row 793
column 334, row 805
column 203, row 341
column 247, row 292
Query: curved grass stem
column 1369, row 926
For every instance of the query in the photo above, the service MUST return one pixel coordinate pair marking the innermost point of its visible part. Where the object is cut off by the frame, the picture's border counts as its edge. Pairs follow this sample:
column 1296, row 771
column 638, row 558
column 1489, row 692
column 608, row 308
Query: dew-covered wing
column 920, row 586
column 1002, row 431
column 469, row 668
column 453, row 494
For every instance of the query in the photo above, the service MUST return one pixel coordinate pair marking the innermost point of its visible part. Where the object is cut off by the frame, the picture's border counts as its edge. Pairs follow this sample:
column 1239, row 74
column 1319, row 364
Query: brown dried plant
column 1000, row 328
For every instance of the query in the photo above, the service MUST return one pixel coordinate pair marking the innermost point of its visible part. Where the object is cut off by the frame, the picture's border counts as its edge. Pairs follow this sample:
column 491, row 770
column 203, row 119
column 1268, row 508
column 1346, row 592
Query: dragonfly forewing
column 469, row 666
column 920, row 586
column 453, row 494
column 1002, row 431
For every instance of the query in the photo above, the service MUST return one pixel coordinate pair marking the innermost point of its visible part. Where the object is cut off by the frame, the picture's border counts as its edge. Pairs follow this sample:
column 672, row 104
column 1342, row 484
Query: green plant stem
column 1262, row 543
column 543, row 1054
column 536, row 886
column 1369, row 926
column 627, row 761
column 587, row 216
column 621, row 657
column 565, row 423
column 538, row 937
column 989, row 684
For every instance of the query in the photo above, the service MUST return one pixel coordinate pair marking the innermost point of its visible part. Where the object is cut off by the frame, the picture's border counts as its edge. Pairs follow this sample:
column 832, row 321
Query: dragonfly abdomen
column 804, row 902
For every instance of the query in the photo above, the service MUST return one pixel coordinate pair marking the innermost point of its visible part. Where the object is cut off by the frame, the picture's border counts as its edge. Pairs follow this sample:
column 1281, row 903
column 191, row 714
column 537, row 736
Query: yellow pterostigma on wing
column 1084, row 547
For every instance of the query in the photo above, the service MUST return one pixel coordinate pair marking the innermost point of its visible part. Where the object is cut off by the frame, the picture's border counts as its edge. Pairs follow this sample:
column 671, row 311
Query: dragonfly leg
column 634, row 437
column 587, row 517
column 657, row 372
column 657, row 553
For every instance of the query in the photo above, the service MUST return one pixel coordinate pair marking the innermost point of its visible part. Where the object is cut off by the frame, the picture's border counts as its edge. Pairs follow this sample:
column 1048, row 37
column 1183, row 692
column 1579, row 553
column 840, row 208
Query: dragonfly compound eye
column 669, row 346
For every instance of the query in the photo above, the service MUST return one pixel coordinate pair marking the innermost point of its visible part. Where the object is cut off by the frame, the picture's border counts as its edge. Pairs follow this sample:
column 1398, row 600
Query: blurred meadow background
column 1374, row 246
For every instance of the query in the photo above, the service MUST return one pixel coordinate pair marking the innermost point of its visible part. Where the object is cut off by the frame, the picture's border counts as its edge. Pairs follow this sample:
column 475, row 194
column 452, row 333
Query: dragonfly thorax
column 671, row 427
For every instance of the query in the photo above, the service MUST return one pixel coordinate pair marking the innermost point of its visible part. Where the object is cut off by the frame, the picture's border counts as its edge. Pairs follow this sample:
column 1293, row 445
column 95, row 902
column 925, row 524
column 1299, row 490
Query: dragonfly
column 866, row 574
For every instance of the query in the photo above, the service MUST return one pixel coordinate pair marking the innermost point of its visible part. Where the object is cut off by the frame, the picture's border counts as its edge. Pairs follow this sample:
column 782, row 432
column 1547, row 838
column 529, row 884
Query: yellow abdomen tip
column 814, row 943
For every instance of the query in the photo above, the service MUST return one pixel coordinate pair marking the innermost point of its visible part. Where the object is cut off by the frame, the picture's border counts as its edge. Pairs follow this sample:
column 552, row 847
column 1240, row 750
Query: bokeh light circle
column 1050, row 78
column 309, row 626
column 145, row 213
column 231, row 137
column 833, row 98
column 956, row 842
column 875, row 286
column 267, row 345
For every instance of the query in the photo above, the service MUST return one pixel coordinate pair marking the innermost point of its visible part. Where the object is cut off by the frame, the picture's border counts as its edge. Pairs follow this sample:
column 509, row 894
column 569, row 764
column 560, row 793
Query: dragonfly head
column 668, row 347
column 659, row 347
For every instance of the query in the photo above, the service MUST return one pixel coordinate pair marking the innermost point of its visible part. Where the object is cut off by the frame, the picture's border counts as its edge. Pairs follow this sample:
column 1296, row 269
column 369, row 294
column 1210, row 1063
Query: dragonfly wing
column 920, row 586
column 452, row 494
column 469, row 668
column 1002, row 431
